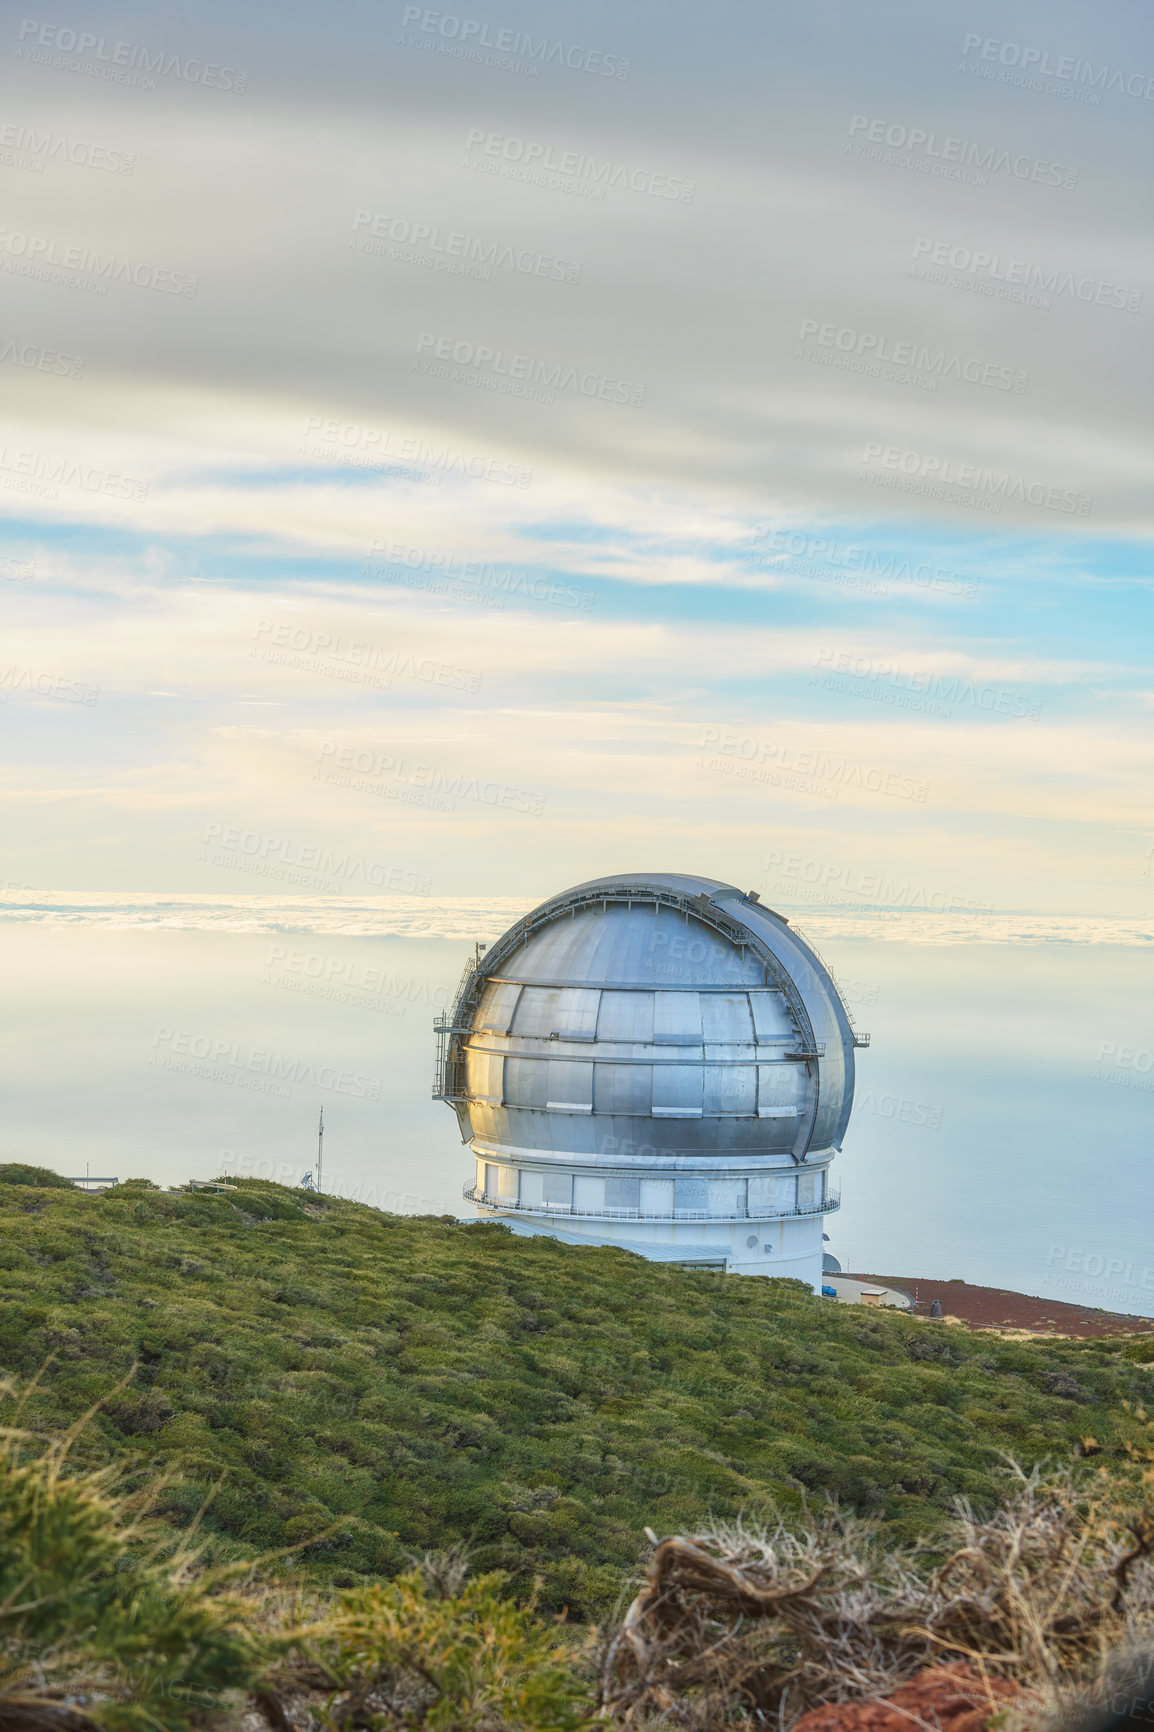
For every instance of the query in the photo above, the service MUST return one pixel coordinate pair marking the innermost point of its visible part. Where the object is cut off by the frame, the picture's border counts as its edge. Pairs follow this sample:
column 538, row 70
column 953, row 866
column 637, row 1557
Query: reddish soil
column 952, row 1697
column 997, row 1308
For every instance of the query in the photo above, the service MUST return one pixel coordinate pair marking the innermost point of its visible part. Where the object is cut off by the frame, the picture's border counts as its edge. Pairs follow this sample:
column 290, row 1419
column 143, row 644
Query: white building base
column 784, row 1249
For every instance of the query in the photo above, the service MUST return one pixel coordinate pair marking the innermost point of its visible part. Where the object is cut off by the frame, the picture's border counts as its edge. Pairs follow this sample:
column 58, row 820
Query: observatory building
column 658, row 1062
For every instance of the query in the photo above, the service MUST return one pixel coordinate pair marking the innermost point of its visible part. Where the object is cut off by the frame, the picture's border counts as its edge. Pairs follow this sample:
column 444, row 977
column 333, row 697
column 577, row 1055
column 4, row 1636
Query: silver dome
column 650, row 1022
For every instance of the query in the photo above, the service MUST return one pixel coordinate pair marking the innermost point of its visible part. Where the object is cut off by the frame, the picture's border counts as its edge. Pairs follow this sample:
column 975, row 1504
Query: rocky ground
column 953, row 1698
column 999, row 1308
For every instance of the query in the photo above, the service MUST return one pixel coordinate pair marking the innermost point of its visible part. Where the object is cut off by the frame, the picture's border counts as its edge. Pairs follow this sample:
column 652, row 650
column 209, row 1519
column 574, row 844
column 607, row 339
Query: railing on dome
column 858, row 1039
column 504, row 1206
column 441, row 1028
column 445, row 1087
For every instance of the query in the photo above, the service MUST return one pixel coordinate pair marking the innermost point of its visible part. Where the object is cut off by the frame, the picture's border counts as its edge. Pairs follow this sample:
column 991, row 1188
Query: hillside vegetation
column 363, row 1387
column 1043, row 1607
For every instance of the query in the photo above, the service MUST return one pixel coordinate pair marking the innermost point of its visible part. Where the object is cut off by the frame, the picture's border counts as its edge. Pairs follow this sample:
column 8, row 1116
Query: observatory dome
column 656, row 1061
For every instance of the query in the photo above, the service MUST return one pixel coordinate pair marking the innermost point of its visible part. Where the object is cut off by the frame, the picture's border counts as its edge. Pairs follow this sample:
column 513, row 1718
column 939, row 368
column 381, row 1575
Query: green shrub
column 452, row 1656
column 399, row 1384
column 16, row 1173
column 104, row 1622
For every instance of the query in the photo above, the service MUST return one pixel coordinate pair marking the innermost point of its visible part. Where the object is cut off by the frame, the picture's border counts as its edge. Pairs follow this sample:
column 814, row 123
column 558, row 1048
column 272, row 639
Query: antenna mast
column 320, row 1150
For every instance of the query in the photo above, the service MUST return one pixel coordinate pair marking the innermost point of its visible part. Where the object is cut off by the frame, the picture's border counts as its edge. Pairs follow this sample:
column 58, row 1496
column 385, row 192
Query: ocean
column 1001, row 1130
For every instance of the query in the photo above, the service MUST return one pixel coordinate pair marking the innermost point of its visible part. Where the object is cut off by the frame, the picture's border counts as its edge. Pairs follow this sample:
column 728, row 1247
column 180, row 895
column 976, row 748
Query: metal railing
column 859, row 1039
column 447, row 1025
column 701, row 907
column 504, row 1206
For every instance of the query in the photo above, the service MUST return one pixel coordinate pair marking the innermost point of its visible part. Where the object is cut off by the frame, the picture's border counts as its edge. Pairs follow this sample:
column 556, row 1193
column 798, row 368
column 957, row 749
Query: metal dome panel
column 650, row 1024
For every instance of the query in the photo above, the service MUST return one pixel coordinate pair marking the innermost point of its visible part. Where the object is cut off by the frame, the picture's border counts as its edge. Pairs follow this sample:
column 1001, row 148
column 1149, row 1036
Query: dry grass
column 750, row 1625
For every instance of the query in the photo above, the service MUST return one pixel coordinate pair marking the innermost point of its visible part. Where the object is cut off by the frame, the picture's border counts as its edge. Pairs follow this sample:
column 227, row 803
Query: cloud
column 770, row 400
column 798, row 216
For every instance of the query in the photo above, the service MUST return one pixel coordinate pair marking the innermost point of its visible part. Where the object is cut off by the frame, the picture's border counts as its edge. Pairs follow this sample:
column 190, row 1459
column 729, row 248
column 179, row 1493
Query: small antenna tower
column 320, row 1151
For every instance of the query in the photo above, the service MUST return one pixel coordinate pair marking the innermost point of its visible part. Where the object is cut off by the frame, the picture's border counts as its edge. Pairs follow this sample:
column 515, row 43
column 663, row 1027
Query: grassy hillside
column 409, row 1382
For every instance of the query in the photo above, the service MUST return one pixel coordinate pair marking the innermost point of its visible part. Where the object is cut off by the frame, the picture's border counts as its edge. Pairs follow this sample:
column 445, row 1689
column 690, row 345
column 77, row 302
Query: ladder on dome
column 445, row 1027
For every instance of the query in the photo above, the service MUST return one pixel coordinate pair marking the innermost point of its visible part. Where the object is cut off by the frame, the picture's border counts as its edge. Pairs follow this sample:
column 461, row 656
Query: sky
column 462, row 455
